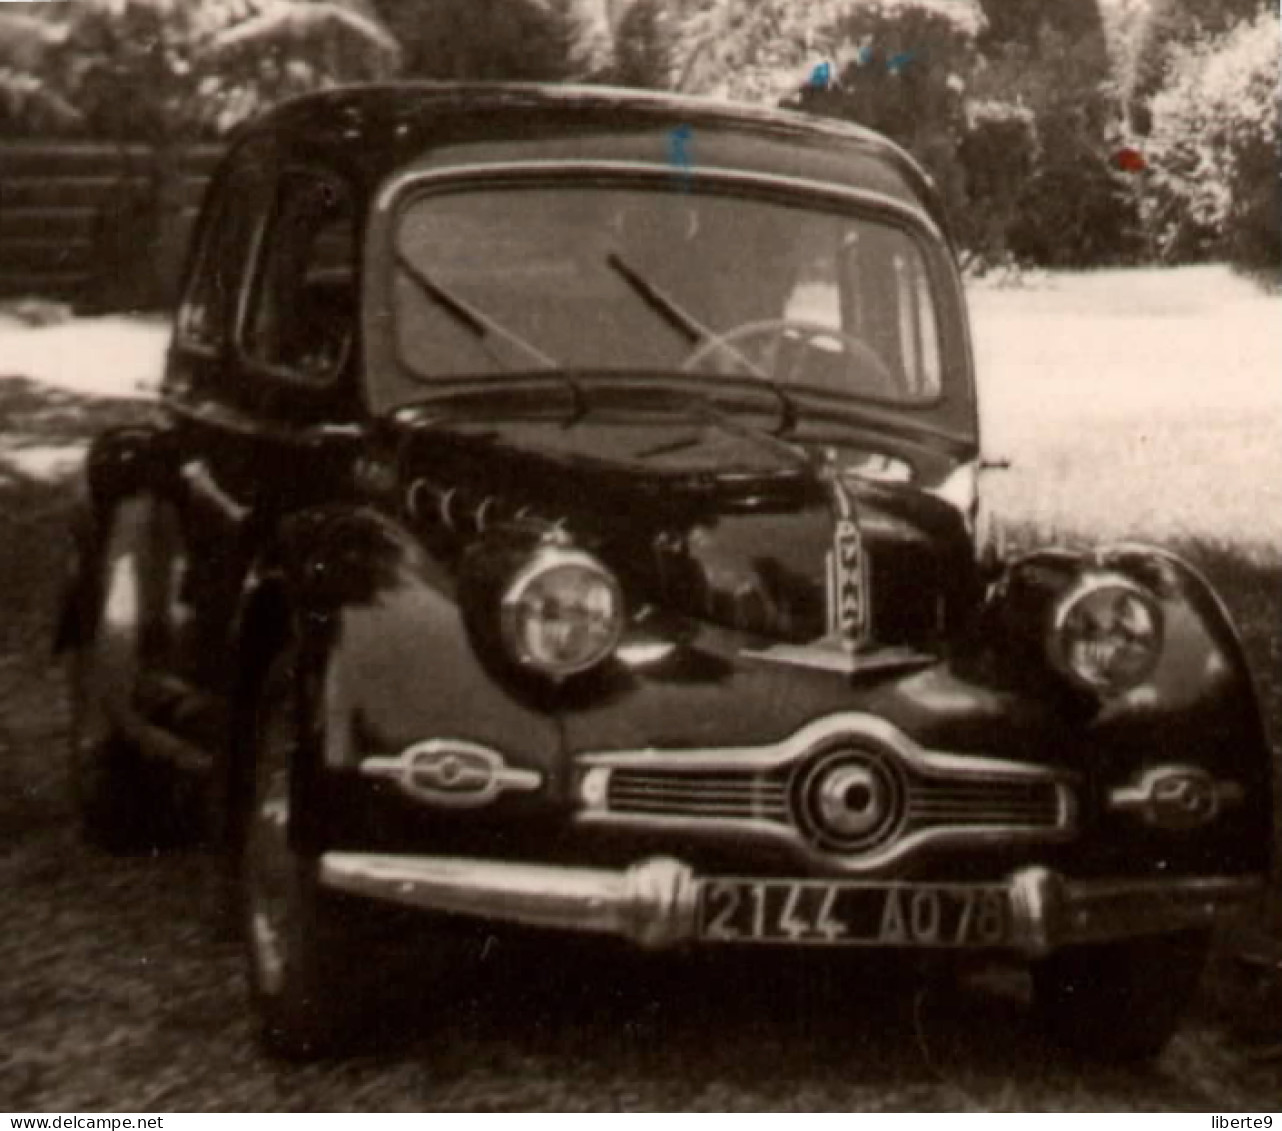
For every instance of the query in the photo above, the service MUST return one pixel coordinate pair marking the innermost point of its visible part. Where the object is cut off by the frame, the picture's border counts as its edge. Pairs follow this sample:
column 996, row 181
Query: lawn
column 1136, row 404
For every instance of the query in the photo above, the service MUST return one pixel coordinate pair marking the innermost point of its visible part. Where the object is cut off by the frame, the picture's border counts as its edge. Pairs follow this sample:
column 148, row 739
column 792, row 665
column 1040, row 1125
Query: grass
column 1136, row 405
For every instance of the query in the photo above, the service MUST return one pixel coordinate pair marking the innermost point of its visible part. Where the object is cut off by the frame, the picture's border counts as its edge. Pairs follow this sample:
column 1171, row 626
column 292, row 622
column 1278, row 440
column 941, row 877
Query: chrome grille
column 850, row 790
column 1029, row 805
column 753, row 795
column 745, row 796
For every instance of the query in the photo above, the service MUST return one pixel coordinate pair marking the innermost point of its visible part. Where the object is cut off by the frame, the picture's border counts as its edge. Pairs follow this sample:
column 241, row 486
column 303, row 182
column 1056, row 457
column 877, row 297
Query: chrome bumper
column 654, row 902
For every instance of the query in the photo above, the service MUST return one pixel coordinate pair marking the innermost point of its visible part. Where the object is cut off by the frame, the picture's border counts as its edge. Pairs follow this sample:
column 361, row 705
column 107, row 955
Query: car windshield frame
column 392, row 383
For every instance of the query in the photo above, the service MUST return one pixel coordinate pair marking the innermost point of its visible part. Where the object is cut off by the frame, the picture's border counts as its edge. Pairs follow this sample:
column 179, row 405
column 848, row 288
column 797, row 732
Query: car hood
column 699, row 512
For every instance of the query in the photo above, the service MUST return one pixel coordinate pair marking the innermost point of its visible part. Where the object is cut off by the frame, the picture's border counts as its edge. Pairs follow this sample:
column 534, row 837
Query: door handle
column 201, row 482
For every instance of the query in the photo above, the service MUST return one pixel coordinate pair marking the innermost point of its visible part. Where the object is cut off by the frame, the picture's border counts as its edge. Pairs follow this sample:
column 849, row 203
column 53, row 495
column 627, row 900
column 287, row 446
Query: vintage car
column 562, row 510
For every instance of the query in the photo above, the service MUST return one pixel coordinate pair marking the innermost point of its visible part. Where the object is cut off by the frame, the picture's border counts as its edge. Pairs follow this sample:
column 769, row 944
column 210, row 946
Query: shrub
column 1213, row 148
column 1069, row 206
column 998, row 157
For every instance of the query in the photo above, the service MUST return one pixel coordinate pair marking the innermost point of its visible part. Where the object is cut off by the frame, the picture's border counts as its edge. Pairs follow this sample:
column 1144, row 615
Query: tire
column 329, row 974
column 1120, row 1001
column 300, row 957
column 126, row 802
column 116, row 796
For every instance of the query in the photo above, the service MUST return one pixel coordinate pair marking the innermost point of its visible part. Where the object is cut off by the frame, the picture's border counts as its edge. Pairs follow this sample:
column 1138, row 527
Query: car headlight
column 562, row 613
column 1105, row 634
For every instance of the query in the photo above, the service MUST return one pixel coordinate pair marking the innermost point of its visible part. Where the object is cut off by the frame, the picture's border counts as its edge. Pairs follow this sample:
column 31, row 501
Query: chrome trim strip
column 655, row 170
column 844, row 724
column 1051, row 911
column 654, row 902
column 595, row 811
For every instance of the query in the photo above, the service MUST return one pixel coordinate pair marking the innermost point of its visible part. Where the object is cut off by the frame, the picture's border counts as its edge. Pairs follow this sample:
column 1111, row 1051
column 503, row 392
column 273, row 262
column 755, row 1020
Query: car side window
column 889, row 304
column 208, row 306
column 302, row 309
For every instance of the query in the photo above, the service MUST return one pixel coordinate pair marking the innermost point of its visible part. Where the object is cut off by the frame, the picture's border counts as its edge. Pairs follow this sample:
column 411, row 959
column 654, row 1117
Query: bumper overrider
column 655, row 903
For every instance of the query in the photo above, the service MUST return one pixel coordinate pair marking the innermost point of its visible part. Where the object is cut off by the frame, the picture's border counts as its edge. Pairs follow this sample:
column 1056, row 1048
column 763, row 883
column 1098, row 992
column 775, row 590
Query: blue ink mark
column 677, row 154
column 899, row 62
column 821, row 76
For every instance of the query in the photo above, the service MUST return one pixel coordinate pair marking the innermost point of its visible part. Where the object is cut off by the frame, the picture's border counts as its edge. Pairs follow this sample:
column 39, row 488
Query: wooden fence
column 97, row 224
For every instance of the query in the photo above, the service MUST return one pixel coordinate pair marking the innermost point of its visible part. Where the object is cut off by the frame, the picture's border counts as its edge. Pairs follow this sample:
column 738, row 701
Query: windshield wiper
column 686, row 323
column 472, row 319
column 482, row 326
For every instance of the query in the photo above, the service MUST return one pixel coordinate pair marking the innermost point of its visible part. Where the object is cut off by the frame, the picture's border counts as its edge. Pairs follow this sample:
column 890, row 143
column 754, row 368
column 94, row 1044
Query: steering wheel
column 799, row 335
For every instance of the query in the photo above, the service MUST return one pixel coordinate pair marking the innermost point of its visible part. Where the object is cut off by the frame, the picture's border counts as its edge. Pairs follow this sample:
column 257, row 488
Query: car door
column 256, row 412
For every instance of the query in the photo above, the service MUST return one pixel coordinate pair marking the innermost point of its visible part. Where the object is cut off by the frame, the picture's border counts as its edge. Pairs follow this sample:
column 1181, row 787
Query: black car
column 563, row 510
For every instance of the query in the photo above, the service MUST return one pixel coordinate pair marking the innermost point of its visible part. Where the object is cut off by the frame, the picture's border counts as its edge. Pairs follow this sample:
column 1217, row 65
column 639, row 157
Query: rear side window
column 302, row 310
column 207, row 309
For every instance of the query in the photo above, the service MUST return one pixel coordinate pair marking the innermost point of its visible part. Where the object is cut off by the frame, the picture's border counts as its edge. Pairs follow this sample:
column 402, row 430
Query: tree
column 643, row 47
column 1167, row 27
column 1213, row 147
column 907, row 80
column 765, row 50
column 169, row 70
column 28, row 105
column 501, row 40
column 1024, row 21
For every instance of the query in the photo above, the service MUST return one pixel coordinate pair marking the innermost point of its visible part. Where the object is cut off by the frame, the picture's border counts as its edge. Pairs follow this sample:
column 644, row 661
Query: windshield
column 617, row 279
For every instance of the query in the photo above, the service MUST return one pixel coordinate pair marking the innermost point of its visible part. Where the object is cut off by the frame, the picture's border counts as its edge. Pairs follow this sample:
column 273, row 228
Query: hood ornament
column 849, row 597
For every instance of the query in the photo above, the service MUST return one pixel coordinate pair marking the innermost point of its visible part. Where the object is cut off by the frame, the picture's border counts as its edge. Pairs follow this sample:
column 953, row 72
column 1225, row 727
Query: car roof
column 376, row 130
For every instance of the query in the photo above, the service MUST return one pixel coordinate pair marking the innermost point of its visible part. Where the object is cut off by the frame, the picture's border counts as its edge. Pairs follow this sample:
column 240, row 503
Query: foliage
column 1024, row 21
column 904, row 78
column 1166, row 28
column 643, row 49
column 1017, row 134
column 761, row 52
column 501, row 40
column 164, row 71
column 28, row 104
column 1213, row 147
column 1071, row 206
column 998, row 156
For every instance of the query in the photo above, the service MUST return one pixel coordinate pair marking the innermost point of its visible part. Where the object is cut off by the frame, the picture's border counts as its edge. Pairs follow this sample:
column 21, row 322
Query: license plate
column 853, row 913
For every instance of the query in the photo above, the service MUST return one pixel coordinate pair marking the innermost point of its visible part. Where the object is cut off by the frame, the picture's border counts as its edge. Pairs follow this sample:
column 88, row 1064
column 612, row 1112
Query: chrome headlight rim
column 547, row 559
column 1059, row 638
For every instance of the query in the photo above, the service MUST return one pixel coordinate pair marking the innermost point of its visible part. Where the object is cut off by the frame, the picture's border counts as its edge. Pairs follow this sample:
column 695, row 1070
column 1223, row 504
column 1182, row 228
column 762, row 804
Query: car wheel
column 301, row 957
column 1120, row 1001
column 125, row 801
column 108, row 782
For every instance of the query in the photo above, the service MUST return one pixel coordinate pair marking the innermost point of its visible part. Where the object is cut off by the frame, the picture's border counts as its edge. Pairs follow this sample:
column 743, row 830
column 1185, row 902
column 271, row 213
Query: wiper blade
column 471, row 318
column 667, row 308
column 682, row 320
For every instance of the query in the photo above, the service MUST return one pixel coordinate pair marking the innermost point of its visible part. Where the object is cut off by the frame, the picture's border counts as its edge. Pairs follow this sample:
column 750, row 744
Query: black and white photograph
column 640, row 556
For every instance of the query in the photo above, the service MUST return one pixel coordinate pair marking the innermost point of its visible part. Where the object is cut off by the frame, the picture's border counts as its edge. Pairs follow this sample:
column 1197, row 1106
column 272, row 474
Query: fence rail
column 95, row 223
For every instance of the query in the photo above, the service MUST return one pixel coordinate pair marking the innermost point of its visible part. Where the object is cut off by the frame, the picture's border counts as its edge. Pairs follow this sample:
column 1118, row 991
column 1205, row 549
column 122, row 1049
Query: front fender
column 1198, row 708
column 385, row 648
column 130, row 460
